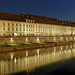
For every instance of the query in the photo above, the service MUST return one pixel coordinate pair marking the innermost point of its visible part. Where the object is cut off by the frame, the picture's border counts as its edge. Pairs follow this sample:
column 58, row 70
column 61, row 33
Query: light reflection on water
column 28, row 60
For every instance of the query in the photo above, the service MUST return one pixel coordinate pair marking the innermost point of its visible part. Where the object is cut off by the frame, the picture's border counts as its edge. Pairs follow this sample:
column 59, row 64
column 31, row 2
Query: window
column 31, row 21
column 26, row 20
column 12, row 24
column 8, row 29
column 23, row 29
column 16, row 29
column 16, row 24
column 8, row 24
column 12, row 29
column 20, row 29
column 3, row 23
column 24, row 25
column 4, row 34
column 4, row 28
column 20, row 24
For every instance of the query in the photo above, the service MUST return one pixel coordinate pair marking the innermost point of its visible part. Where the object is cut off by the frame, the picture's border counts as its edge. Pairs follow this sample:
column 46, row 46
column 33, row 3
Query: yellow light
column 11, row 39
column 54, row 38
column 61, row 48
column 26, row 53
column 37, row 38
column 26, row 38
column 11, row 56
column 61, row 38
column 38, row 51
column 15, row 60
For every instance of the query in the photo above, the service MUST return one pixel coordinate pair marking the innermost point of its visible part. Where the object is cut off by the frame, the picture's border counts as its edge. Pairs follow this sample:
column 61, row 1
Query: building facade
column 31, row 25
column 33, row 28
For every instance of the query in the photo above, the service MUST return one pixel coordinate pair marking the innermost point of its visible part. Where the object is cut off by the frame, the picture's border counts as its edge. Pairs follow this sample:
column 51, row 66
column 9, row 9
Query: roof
column 37, row 19
column 41, row 19
column 11, row 17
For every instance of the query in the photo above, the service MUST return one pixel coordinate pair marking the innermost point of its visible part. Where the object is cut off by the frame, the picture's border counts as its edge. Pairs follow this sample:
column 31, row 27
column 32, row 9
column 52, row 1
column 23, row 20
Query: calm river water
column 43, row 61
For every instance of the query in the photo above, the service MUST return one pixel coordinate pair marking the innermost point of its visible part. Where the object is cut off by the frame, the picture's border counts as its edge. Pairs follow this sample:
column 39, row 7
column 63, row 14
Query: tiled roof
column 40, row 19
column 11, row 17
column 37, row 19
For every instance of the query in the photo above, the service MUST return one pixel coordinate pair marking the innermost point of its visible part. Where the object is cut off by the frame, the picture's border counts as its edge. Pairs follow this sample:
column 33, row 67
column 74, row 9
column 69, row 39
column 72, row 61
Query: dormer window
column 33, row 21
column 27, row 20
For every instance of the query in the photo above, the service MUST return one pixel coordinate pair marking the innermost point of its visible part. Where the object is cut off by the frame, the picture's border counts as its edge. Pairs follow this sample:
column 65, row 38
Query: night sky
column 59, row 9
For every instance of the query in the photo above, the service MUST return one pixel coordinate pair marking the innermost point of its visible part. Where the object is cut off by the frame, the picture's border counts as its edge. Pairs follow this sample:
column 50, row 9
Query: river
column 43, row 61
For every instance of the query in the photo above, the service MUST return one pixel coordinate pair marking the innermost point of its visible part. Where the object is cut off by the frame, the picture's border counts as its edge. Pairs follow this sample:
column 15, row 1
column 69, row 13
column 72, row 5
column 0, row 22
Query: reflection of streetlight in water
column 11, row 56
column 26, row 53
column 15, row 60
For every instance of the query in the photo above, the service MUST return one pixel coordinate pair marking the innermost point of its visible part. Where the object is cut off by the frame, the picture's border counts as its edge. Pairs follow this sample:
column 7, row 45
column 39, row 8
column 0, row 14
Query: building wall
column 19, row 40
column 8, row 28
column 21, row 32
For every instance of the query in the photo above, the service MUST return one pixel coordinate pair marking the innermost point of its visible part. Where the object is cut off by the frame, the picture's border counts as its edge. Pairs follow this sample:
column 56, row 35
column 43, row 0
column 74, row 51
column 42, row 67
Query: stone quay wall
column 20, row 40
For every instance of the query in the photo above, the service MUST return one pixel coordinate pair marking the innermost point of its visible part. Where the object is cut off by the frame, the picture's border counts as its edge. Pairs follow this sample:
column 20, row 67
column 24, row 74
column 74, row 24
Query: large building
column 32, row 25
column 31, row 28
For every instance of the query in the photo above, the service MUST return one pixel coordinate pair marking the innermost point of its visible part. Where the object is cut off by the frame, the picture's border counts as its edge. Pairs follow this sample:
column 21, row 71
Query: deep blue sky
column 59, row 9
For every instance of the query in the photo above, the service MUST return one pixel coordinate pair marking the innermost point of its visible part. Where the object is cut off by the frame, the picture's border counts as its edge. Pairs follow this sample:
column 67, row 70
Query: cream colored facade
column 10, row 28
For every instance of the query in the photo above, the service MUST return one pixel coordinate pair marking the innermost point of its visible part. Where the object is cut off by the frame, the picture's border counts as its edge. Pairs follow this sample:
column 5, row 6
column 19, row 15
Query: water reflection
column 28, row 60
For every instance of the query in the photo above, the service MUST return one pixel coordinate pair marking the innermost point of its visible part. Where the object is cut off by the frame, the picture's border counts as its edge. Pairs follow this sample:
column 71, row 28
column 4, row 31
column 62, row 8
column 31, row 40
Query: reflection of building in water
column 28, row 62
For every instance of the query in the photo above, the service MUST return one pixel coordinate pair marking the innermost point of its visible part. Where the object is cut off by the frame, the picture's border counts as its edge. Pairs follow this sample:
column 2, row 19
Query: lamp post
column 15, row 34
column 38, row 38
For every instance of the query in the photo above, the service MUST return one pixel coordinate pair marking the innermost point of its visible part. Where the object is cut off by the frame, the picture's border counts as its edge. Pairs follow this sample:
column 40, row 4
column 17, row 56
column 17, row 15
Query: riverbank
column 26, row 46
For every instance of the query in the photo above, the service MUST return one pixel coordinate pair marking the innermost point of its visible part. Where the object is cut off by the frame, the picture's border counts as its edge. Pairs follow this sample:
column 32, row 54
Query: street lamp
column 15, row 34
column 38, row 37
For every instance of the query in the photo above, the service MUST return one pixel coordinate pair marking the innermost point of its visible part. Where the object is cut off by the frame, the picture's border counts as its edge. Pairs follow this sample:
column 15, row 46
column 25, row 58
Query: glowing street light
column 26, row 38
column 38, row 37
column 11, row 39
